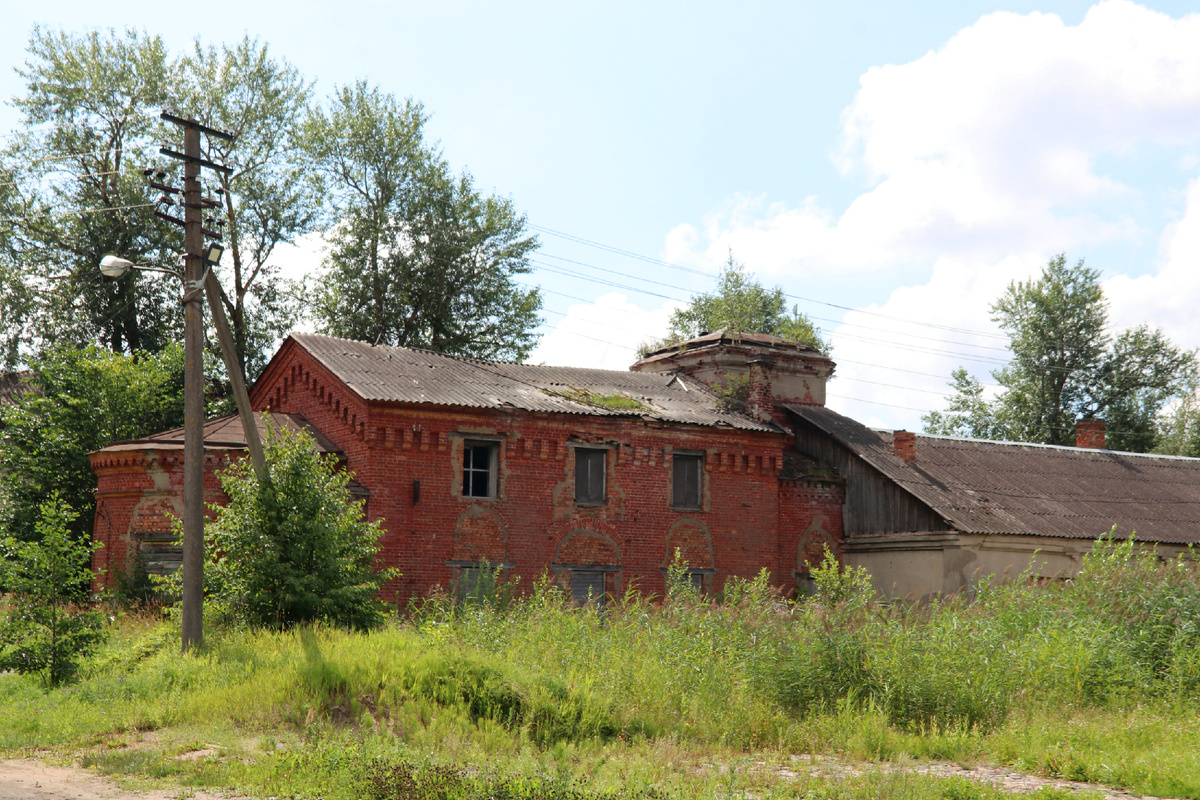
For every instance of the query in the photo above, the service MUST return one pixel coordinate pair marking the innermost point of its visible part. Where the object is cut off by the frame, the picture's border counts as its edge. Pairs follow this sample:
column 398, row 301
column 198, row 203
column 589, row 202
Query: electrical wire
column 59, row 214
column 692, row 270
column 563, row 271
column 51, row 159
column 69, row 175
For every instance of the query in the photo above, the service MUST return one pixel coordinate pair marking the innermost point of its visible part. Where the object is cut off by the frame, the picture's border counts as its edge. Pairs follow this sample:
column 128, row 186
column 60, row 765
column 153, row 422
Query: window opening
column 587, row 586
column 479, row 469
column 687, row 470
column 589, row 476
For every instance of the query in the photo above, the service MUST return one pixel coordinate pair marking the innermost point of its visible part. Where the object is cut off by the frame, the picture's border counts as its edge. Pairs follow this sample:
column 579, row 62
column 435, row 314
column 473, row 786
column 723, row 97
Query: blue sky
column 904, row 159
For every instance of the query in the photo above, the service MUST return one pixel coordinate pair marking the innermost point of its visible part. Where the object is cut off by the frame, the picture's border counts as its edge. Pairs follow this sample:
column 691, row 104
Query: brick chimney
column 1091, row 434
column 904, row 445
column 777, row 371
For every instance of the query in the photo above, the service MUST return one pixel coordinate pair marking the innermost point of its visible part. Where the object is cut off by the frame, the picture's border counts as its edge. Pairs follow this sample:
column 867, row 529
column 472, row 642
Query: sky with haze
column 892, row 166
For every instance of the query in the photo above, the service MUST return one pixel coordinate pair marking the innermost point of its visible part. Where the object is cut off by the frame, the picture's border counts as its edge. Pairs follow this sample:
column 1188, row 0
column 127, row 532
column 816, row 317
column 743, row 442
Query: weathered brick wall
column 410, row 458
column 137, row 489
column 810, row 511
column 534, row 522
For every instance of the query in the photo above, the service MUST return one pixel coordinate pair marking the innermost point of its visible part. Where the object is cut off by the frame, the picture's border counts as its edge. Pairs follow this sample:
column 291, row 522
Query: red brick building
column 596, row 476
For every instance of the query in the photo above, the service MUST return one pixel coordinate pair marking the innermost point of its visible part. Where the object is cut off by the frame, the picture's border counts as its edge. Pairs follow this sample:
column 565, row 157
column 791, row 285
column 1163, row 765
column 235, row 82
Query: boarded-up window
column 687, row 471
column 479, row 469
column 587, row 586
column 476, row 584
column 589, row 476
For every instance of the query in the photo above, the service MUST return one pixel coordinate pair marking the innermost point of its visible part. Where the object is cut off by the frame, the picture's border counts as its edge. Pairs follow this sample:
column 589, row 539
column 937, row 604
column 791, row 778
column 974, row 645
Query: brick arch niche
column 810, row 552
column 587, row 564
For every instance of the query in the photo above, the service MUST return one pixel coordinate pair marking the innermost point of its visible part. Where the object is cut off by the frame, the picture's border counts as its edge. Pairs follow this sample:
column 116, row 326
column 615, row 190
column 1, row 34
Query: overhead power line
column 54, row 215
column 694, row 271
column 563, row 271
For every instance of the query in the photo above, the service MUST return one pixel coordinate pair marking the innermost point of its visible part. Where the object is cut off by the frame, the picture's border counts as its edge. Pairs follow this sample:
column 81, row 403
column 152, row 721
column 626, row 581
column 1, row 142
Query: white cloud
column 604, row 334
column 1018, row 139
column 984, row 147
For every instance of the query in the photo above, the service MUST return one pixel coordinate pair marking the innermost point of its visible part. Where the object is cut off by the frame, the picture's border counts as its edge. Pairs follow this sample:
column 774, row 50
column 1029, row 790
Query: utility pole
column 196, row 275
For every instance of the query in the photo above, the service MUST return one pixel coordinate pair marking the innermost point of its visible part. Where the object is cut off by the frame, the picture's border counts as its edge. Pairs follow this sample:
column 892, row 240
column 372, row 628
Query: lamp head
column 212, row 254
column 114, row 266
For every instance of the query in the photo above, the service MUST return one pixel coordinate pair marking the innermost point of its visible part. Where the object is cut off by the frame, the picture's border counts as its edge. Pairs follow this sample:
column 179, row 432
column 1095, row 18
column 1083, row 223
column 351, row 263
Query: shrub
column 296, row 549
column 45, row 631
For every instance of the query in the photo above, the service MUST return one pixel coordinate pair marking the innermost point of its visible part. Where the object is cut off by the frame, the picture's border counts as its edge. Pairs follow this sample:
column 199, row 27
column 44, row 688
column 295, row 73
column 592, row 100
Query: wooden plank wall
column 875, row 504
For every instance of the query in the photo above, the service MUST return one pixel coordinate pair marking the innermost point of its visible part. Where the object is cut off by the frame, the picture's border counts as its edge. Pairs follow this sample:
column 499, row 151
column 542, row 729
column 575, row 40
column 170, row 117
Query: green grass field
column 524, row 696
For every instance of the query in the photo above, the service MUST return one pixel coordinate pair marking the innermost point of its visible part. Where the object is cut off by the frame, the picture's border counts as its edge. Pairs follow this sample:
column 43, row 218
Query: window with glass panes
column 479, row 469
column 589, row 476
column 687, row 471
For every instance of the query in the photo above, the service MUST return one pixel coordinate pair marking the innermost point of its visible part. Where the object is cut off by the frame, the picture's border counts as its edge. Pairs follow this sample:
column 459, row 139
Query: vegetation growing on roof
column 613, row 402
column 732, row 393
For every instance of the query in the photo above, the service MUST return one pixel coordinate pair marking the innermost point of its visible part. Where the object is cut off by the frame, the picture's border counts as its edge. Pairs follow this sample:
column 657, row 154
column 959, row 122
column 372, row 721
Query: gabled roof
column 380, row 373
column 224, row 432
column 981, row 486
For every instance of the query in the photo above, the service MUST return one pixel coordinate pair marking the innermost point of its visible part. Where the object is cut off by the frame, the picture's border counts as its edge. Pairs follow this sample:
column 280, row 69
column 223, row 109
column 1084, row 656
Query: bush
column 45, row 631
column 296, row 549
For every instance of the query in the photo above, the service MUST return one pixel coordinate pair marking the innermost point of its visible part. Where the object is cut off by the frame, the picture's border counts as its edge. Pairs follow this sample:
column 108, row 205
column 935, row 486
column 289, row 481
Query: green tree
column 78, row 193
column 79, row 400
column 967, row 413
column 76, row 190
column 297, row 549
column 1065, row 366
column 266, row 201
column 44, row 629
column 418, row 257
column 740, row 303
column 1179, row 426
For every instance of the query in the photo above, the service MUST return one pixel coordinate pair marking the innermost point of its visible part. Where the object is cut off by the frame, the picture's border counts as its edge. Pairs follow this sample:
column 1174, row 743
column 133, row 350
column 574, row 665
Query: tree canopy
column 79, row 400
column 1066, row 366
column 740, row 303
column 76, row 191
column 418, row 257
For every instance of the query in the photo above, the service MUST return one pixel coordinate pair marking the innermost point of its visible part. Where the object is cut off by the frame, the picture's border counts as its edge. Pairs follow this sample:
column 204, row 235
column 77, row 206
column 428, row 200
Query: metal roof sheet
column 225, row 432
column 381, row 373
column 983, row 486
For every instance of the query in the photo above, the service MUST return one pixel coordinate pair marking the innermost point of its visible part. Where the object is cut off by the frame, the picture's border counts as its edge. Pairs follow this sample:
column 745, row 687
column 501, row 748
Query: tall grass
column 748, row 670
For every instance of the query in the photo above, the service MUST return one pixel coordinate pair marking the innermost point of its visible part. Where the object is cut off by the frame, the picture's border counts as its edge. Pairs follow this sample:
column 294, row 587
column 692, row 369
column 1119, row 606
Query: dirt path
column 1004, row 779
column 25, row 779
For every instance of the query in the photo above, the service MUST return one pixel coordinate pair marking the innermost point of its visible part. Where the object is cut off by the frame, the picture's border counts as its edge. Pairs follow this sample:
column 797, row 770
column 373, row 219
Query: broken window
column 589, row 476
column 480, row 466
column 687, row 474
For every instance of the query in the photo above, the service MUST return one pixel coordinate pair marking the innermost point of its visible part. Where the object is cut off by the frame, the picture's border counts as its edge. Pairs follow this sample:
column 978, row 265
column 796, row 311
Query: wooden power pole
column 199, row 280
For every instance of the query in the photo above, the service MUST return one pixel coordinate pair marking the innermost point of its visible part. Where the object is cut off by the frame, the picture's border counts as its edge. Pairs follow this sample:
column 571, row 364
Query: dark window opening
column 587, row 586
column 479, row 469
column 687, row 472
column 589, row 476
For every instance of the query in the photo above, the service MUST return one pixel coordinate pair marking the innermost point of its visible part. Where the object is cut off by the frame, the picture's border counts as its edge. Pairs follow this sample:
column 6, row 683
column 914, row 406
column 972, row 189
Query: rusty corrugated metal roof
column 225, row 432
column 1014, row 488
column 403, row 375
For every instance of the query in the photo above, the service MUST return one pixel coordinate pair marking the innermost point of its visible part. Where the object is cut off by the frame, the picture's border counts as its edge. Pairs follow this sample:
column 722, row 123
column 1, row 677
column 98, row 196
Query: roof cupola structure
column 768, row 369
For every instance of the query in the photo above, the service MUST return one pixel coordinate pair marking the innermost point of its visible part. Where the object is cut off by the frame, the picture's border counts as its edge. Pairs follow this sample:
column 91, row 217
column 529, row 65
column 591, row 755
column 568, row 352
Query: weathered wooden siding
column 875, row 504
